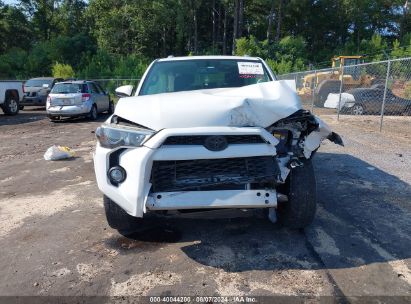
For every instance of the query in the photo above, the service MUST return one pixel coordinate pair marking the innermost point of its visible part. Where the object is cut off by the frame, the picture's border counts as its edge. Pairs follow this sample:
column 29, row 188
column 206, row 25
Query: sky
column 10, row 1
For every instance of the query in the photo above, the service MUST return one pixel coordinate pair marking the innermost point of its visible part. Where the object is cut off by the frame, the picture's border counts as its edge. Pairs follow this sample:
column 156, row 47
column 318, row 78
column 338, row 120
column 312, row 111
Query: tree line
column 107, row 38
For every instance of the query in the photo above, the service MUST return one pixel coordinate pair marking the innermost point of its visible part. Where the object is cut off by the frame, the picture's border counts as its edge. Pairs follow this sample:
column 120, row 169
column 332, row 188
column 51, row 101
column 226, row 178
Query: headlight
column 113, row 136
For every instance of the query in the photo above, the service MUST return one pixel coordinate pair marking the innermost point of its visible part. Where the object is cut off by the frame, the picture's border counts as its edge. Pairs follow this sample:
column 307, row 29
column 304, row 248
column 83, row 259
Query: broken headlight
column 283, row 138
column 114, row 137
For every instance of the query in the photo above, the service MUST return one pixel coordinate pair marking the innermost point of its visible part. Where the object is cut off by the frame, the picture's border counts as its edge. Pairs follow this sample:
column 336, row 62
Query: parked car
column 11, row 94
column 204, row 133
column 36, row 91
column 78, row 98
column 362, row 101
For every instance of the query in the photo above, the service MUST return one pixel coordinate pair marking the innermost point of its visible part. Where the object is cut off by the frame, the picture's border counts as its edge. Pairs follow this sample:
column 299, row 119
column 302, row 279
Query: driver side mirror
column 124, row 91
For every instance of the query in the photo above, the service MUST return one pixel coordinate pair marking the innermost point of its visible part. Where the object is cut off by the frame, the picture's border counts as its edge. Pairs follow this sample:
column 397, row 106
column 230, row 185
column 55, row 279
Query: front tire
column 118, row 219
column 11, row 106
column 357, row 109
column 53, row 118
column 301, row 189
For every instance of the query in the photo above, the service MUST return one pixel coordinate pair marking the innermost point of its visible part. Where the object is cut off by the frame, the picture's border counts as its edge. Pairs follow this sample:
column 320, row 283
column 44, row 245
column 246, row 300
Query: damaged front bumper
column 181, row 181
column 175, row 169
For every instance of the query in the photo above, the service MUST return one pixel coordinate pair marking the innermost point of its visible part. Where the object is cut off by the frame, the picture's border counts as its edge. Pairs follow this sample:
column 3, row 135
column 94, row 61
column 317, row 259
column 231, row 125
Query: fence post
column 314, row 86
column 341, row 88
column 385, row 93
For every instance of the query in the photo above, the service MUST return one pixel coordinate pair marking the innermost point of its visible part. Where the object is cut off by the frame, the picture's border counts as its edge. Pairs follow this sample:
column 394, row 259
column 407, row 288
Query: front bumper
column 69, row 111
column 135, row 195
column 34, row 101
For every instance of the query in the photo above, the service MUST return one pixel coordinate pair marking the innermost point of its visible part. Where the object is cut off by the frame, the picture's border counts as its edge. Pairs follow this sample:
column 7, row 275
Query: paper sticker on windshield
column 253, row 68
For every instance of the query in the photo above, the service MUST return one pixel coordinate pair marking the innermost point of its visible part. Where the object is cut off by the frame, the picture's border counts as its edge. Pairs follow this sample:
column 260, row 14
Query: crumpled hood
column 254, row 105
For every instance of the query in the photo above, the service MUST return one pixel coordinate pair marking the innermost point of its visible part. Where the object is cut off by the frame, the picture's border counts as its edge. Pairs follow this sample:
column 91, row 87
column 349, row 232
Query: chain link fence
column 377, row 90
column 108, row 84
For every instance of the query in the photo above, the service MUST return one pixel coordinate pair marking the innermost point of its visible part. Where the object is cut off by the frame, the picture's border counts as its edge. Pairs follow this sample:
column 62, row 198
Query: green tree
column 15, row 29
column 108, row 37
column 61, row 70
column 43, row 16
column 71, row 17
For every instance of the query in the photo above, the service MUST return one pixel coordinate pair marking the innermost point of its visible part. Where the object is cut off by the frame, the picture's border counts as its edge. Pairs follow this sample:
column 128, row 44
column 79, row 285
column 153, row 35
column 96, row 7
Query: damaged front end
column 236, row 155
column 300, row 136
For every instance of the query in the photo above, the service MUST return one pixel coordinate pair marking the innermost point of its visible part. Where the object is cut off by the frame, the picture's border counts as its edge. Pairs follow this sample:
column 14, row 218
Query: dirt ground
column 55, row 241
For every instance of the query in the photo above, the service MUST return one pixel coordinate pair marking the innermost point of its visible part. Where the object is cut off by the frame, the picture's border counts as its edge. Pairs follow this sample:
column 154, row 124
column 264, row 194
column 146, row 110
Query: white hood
column 254, row 105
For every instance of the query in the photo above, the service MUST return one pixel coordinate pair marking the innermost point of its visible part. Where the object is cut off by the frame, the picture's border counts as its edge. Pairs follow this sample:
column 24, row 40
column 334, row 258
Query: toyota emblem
column 216, row 143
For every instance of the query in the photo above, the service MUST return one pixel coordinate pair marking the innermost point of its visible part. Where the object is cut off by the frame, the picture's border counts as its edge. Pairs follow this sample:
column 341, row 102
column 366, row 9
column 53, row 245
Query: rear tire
column 301, row 190
column 11, row 105
column 93, row 115
column 118, row 219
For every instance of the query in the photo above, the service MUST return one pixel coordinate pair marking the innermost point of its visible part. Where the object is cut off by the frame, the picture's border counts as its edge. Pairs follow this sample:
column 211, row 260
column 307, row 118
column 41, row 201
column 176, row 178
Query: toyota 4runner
column 205, row 133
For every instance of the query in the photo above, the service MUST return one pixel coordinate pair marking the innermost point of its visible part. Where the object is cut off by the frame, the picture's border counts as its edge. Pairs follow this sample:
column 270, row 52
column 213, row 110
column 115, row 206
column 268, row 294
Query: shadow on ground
column 101, row 117
column 362, row 219
column 36, row 113
column 21, row 118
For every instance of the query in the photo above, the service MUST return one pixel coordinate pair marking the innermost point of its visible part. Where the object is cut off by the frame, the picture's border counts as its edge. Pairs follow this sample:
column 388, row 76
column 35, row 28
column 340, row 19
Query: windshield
column 188, row 75
column 38, row 82
column 65, row 88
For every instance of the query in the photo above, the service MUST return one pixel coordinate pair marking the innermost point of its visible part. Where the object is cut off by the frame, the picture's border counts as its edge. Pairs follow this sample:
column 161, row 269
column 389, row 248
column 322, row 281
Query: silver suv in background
column 78, row 98
column 36, row 91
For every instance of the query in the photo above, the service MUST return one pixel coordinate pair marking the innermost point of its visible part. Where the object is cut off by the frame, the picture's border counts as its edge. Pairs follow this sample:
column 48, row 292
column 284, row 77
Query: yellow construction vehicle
column 326, row 82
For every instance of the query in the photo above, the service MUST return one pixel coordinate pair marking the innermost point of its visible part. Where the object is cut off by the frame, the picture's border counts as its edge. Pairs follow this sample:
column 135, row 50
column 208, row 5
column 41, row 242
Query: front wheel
column 11, row 106
column 299, row 211
column 53, row 118
column 118, row 219
column 357, row 109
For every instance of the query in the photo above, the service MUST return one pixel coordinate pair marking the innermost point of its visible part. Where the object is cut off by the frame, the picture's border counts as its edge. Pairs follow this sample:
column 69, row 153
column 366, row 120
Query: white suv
column 205, row 133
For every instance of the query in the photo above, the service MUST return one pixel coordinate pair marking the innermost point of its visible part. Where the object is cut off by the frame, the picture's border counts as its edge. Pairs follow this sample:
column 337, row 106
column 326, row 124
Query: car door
column 105, row 96
column 97, row 97
column 395, row 104
column 375, row 97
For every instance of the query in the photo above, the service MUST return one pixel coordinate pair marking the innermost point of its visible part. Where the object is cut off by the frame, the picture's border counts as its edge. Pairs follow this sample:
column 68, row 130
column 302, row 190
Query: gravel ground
column 55, row 241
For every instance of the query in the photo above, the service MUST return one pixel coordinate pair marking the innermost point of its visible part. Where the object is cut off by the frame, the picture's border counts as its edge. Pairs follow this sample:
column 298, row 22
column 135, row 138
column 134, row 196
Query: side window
column 100, row 88
column 84, row 88
column 93, row 88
